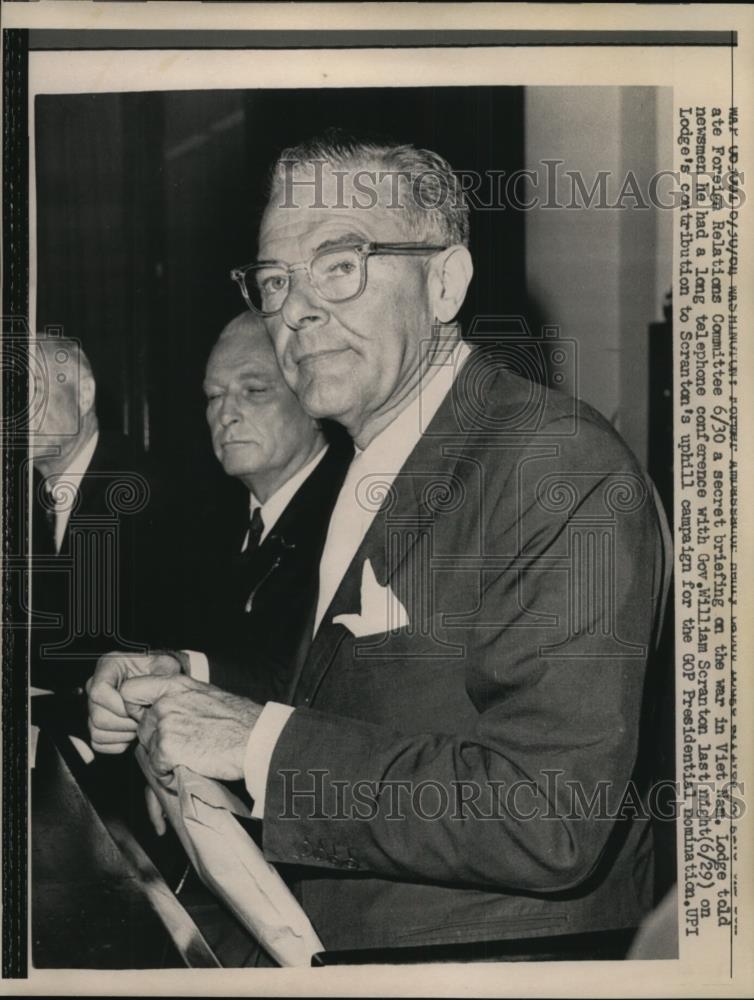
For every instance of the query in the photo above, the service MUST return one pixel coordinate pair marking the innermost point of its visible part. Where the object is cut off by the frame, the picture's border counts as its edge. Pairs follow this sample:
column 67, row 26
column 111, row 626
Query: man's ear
column 449, row 275
column 87, row 391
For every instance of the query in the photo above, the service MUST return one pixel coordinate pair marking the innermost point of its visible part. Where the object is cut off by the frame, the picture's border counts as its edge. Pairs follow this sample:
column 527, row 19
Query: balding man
column 258, row 598
column 251, row 586
column 93, row 508
column 66, row 434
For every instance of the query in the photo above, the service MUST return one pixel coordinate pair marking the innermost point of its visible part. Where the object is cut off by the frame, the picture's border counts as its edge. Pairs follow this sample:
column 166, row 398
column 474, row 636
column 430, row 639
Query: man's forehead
column 316, row 184
column 306, row 202
column 317, row 226
column 243, row 353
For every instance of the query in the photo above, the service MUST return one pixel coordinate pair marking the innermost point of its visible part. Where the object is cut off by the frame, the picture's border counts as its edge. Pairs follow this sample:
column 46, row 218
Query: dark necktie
column 44, row 522
column 256, row 527
column 51, row 518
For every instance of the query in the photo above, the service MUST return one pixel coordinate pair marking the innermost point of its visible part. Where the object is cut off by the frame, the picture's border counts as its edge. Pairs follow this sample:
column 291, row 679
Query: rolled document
column 202, row 812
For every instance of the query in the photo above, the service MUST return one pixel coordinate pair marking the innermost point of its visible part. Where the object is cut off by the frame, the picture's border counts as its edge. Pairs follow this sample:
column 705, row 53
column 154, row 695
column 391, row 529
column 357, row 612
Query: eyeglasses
column 337, row 274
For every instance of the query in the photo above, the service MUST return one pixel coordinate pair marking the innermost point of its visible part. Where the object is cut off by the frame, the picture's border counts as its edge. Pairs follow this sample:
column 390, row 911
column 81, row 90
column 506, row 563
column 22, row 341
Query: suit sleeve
column 554, row 666
column 244, row 672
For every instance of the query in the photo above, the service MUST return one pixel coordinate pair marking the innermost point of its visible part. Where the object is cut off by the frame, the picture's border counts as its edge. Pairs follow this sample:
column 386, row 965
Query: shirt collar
column 276, row 504
column 76, row 471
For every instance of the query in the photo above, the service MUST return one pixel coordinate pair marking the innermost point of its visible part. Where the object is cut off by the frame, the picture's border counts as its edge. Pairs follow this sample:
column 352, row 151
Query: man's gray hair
column 433, row 200
column 66, row 346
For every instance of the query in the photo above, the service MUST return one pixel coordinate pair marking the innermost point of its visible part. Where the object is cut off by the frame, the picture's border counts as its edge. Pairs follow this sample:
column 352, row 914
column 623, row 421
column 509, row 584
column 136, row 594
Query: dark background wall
column 145, row 201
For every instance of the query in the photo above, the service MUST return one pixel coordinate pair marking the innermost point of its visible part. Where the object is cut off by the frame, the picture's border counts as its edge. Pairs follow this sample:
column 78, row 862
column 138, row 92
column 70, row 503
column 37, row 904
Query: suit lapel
column 110, row 467
column 316, row 496
column 395, row 530
column 301, row 526
column 91, row 492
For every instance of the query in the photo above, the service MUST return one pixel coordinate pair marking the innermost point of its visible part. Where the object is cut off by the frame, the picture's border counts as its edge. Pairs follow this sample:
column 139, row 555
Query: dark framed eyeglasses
column 336, row 273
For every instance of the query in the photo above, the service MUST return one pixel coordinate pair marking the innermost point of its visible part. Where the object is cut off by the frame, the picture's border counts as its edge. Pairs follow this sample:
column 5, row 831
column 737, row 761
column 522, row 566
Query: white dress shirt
column 63, row 487
column 276, row 504
column 383, row 458
column 270, row 511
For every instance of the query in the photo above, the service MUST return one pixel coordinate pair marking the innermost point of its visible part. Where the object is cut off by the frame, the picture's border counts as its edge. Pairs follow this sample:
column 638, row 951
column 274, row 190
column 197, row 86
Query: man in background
column 251, row 585
column 251, row 603
column 101, row 559
column 94, row 525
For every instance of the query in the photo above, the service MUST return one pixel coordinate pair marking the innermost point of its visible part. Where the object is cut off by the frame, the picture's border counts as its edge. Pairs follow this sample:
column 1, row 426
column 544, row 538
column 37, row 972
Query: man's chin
column 238, row 471
column 324, row 384
column 239, row 465
column 324, row 398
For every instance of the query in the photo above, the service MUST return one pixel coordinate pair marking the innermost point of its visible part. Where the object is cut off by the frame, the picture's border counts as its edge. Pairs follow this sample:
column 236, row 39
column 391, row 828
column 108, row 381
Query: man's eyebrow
column 254, row 375
column 346, row 239
column 242, row 377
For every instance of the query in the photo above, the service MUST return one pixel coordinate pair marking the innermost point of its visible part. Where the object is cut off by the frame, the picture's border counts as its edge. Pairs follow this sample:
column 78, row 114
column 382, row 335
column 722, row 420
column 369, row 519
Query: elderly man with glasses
column 451, row 773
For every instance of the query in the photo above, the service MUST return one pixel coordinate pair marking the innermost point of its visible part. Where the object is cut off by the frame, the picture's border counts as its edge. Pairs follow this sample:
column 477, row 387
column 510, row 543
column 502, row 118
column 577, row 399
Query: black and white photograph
column 371, row 549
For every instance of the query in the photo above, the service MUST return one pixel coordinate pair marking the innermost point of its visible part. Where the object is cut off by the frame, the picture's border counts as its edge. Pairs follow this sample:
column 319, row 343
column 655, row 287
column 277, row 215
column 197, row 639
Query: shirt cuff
column 259, row 751
column 198, row 665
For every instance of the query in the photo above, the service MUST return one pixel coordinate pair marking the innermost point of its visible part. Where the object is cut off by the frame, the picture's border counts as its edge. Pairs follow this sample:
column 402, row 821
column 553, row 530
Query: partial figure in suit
column 246, row 613
column 257, row 598
column 93, row 514
column 468, row 717
column 98, row 543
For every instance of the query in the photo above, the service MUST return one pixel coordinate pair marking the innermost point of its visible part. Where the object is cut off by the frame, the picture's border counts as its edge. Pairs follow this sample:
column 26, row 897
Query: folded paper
column 203, row 813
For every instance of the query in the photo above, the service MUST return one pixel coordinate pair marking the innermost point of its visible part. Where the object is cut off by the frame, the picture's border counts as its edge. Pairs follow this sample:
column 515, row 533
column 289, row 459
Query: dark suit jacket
column 252, row 653
column 101, row 591
column 523, row 539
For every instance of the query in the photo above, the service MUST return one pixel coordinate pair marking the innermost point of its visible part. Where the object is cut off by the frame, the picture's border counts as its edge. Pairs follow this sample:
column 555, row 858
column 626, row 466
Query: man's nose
column 303, row 307
column 229, row 411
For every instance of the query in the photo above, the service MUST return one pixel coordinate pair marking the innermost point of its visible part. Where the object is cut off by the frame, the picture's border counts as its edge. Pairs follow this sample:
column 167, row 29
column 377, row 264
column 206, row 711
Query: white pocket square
column 381, row 611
